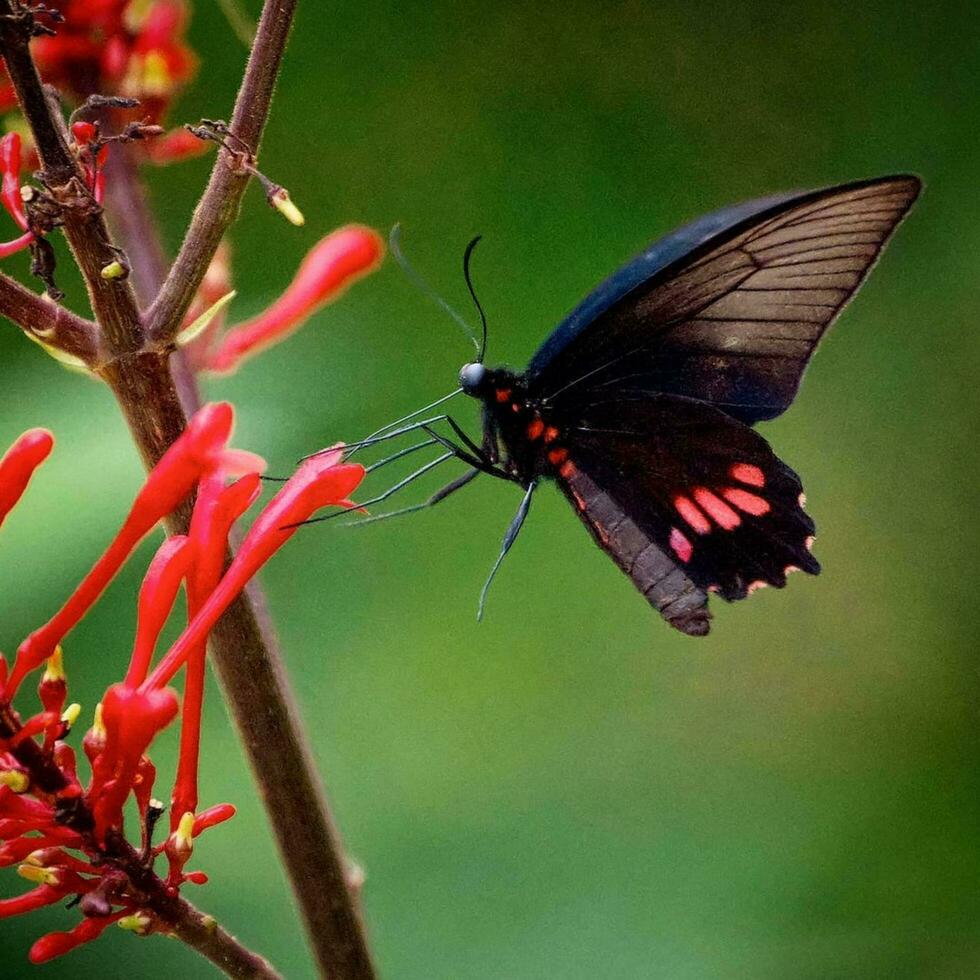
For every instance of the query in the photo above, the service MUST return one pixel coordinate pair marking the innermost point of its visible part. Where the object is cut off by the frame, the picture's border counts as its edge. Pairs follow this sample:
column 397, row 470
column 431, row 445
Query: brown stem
column 169, row 912
column 132, row 221
column 48, row 322
column 220, row 203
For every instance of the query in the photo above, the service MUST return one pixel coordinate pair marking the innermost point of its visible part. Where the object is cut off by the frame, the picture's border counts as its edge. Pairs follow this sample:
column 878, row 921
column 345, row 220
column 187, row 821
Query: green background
column 572, row 789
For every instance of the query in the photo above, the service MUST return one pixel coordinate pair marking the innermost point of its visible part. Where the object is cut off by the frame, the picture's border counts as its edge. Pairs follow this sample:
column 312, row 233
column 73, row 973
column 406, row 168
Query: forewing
column 687, row 501
column 733, row 319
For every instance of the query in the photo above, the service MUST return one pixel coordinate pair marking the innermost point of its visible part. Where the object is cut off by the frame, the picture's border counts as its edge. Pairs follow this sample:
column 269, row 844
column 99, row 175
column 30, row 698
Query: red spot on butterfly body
column 747, row 473
column 745, row 501
column 717, row 509
column 535, row 429
column 680, row 545
column 503, row 395
column 550, row 434
column 568, row 469
column 556, row 456
column 691, row 514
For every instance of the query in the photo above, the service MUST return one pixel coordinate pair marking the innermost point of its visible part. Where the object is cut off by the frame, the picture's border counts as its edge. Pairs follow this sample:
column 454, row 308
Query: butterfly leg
column 509, row 538
column 478, row 461
column 437, row 497
column 411, row 478
column 424, row 426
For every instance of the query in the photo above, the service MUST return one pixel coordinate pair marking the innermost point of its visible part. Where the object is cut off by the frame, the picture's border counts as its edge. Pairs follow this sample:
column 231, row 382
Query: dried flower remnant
column 67, row 836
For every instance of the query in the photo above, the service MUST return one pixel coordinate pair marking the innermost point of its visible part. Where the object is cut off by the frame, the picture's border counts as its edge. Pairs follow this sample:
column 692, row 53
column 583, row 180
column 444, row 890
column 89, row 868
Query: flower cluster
column 130, row 48
column 67, row 835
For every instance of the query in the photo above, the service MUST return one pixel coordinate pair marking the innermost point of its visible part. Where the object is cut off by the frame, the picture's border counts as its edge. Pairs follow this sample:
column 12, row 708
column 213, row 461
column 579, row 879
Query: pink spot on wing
column 680, row 545
column 789, row 569
column 801, row 500
column 747, row 473
column 809, row 542
column 690, row 513
column 749, row 502
column 717, row 509
column 755, row 586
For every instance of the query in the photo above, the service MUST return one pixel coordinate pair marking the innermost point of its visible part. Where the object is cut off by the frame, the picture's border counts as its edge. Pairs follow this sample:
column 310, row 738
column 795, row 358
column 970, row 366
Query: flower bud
column 283, row 203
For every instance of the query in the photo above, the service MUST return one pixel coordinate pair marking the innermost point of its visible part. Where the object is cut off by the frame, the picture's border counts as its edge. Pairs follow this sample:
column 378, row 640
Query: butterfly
column 641, row 404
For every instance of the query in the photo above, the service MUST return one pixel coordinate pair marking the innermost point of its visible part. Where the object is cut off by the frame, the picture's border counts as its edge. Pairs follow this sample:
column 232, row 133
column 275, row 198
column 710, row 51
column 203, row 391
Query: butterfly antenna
column 394, row 242
column 467, row 255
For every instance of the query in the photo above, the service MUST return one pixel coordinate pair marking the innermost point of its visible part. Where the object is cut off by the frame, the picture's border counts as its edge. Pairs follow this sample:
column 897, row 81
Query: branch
column 219, row 206
column 170, row 912
column 46, row 321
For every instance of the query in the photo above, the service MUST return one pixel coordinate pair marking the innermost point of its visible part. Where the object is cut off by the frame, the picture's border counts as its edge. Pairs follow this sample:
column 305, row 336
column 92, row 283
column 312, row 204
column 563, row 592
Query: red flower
column 118, row 47
column 66, row 834
column 131, row 48
column 18, row 464
column 335, row 263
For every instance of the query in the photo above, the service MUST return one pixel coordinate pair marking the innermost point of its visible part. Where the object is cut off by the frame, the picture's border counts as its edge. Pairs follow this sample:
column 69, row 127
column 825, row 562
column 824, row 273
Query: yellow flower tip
column 15, row 780
column 98, row 726
column 39, row 875
column 283, row 203
column 35, row 858
column 138, row 922
column 55, row 667
column 156, row 78
column 184, row 835
column 135, row 14
column 70, row 715
column 114, row 270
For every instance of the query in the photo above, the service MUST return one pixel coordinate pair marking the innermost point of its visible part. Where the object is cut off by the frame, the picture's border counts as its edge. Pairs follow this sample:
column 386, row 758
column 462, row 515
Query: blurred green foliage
column 572, row 789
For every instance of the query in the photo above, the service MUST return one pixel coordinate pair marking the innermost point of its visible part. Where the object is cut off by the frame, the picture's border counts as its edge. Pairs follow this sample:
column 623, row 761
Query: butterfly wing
column 730, row 308
column 686, row 500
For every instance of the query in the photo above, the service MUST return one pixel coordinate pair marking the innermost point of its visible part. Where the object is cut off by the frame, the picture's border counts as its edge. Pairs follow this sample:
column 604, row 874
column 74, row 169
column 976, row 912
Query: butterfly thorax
column 517, row 430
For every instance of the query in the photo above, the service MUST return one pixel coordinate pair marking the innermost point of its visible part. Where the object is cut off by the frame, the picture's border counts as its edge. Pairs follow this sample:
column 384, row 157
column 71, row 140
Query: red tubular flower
column 132, row 719
column 213, row 816
column 321, row 481
column 36, row 898
column 216, row 511
column 157, row 596
column 10, row 167
column 18, row 464
column 56, row 944
column 335, row 263
column 200, row 448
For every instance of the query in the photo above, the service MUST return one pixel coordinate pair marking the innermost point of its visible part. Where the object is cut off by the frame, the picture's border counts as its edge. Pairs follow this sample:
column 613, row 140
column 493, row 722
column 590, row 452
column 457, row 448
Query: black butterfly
column 640, row 404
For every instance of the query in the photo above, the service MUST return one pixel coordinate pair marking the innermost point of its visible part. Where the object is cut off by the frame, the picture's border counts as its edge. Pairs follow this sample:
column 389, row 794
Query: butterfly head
column 475, row 380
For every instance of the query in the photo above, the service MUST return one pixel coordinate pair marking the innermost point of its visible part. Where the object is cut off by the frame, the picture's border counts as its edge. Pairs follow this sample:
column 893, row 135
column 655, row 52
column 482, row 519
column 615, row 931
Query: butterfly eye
column 472, row 377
